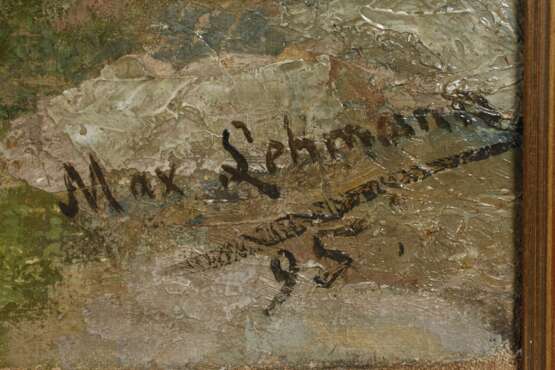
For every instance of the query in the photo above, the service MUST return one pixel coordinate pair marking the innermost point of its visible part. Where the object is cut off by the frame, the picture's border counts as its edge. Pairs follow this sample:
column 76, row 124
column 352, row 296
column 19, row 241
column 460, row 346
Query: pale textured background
column 142, row 85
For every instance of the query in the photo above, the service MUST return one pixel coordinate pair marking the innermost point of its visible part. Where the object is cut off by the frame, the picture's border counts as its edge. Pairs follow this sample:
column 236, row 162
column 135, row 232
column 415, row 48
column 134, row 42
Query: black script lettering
column 167, row 180
column 241, row 172
column 95, row 173
column 441, row 122
column 347, row 134
column 241, row 125
column 421, row 115
column 404, row 128
column 144, row 187
column 72, row 208
column 288, row 277
column 296, row 144
column 275, row 150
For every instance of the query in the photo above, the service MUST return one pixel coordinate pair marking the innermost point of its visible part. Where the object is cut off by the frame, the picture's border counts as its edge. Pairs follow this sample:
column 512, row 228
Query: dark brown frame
column 538, row 261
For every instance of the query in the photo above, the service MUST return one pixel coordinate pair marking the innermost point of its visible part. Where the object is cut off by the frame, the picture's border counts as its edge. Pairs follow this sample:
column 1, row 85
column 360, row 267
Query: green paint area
column 6, row 114
column 31, row 236
column 36, row 59
column 245, row 31
column 3, row 346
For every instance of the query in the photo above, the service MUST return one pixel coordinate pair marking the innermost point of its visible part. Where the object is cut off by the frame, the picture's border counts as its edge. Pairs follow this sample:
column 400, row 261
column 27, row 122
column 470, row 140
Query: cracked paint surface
column 174, row 279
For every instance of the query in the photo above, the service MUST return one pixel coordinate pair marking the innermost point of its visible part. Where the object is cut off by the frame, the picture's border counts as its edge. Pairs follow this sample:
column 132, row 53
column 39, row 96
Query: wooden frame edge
column 538, row 289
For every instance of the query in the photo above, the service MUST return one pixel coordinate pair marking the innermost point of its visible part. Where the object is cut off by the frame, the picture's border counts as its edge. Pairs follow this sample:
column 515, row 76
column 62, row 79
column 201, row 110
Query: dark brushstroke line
column 241, row 173
column 441, row 121
column 95, row 168
column 365, row 192
column 95, row 173
column 342, row 258
column 421, row 115
column 242, row 164
column 224, row 180
column 289, row 279
column 241, row 125
column 347, row 134
column 76, row 178
column 401, row 249
column 296, row 144
column 167, row 180
column 140, row 180
column 271, row 190
column 405, row 129
column 275, row 150
column 72, row 208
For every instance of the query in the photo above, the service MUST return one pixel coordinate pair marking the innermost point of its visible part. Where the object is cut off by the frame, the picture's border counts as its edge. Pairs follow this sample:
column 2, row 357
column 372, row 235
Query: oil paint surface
column 218, row 184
